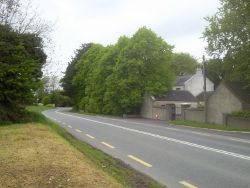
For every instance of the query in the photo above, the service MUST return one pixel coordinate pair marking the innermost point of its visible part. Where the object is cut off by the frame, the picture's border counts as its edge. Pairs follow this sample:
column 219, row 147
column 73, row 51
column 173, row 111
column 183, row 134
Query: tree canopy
column 228, row 38
column 184, row 63
column 23, row 17
column 67, row 80
column 113, row 79
column 21, row 60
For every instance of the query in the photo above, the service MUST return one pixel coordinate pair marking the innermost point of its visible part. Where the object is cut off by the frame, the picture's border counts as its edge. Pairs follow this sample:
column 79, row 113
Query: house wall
column 161, row 109
column 195, row 84
column 222, row 101
column 245, row 106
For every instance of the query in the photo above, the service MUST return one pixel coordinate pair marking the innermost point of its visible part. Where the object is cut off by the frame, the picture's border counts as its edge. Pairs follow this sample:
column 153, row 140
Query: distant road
column 175, row 156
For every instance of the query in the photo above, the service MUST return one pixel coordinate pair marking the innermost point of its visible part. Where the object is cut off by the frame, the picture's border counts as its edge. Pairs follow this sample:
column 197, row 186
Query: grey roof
column 177, row 95
column 239, row 90
column 200, row 97
column 180, row 80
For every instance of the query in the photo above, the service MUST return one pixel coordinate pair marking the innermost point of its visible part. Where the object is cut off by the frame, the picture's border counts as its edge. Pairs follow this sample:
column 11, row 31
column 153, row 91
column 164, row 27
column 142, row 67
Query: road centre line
column 108, row 145
column 189, row 131
column 139, row 161
column 188, row 185
column 165, row 138
column 77, row 130
column 153, row 126
column 88, row 135
column 239, row 140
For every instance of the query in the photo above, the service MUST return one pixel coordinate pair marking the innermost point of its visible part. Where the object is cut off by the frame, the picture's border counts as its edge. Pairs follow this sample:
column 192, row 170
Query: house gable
column 196, row 83
column 193, row 83
column 222, row 101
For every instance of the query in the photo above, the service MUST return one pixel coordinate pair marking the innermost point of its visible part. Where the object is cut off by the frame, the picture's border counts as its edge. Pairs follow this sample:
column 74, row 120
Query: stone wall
column 198, row 115
column 194, row 114
column 147, row 107
column 160, row 113
column 237, row 122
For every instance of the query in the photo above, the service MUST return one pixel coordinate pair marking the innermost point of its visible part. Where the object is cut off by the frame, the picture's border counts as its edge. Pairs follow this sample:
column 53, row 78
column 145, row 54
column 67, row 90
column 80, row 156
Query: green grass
column 33, row 155
column 123, row 173
column 207, row 125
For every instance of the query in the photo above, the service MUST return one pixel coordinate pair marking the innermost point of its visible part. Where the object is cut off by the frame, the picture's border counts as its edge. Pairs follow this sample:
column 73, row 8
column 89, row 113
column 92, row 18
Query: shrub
column 46, row 100
column 242, row 113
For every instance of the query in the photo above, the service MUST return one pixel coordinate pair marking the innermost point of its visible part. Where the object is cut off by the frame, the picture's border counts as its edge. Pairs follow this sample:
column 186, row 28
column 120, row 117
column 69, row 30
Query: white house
column 193, row 83
column 184, row 92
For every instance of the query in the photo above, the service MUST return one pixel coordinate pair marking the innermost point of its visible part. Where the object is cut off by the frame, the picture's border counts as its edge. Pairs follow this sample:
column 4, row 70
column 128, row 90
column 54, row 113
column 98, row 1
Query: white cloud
column 179, row 22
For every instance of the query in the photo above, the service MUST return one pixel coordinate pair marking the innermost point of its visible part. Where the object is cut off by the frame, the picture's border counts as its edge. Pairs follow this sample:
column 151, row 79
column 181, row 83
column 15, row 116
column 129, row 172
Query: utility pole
column 205, row 88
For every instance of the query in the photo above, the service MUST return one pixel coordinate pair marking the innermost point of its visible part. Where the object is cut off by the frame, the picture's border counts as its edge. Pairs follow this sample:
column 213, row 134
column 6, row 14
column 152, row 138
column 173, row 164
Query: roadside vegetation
column 59, row 154
column 207, row 125
column 113, row 79
column 242, row 114
column 33, row 155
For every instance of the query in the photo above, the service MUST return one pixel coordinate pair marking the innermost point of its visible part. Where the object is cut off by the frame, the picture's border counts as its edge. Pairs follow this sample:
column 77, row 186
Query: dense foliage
column 183, row 64
column 242, row 114
column 113, row 79
column 215, row 70
column 57, row 99
column 66, row 81
column 21, row 60
column 228, row 37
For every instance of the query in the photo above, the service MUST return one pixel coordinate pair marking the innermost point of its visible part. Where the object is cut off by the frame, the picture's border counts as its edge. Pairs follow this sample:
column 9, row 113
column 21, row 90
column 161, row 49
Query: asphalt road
column 173, row 155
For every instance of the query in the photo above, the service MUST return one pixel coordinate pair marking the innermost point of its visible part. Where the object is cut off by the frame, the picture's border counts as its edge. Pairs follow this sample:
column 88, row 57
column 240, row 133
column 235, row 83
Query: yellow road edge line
column 77, row 130
column 188, row 185
column 108, row 145
column 69, row 126
column 140, row 161
column 90, row 136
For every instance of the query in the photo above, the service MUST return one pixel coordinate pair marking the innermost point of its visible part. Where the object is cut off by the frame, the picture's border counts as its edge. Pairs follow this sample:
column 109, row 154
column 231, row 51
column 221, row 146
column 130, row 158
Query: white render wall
column 195, row 84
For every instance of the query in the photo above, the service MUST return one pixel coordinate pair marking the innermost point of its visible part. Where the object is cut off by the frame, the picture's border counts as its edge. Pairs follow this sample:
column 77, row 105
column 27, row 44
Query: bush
column 242, row 113
column 50, row 105
column 58, row 99
column 46, row 100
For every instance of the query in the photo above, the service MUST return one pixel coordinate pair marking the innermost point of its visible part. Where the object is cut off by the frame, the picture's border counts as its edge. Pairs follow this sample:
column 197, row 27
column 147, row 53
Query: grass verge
column 33, row 155
column 206, row 125
column 123, row 173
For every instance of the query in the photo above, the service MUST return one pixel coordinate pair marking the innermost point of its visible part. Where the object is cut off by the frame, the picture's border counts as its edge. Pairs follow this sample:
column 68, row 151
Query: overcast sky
column 178, row 22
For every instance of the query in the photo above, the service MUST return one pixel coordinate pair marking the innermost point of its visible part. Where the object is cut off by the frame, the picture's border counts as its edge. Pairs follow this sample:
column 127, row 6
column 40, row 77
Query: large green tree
column 228, row 38
column 113, row 79
column 142, row 66
column 67, row 81
column 85, row 80
column 215, row 70
column 183, row 63
column 21, row 61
